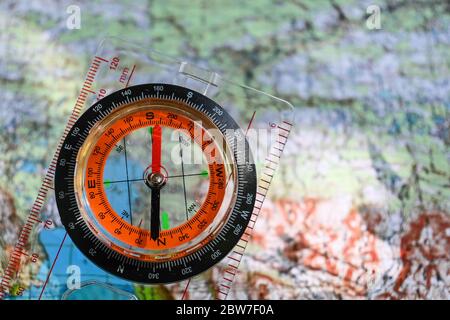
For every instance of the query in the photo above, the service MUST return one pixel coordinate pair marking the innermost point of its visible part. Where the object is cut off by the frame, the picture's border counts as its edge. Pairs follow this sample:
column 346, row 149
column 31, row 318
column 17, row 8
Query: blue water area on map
column 69, row 256
column 117, row 193
column 28, row 167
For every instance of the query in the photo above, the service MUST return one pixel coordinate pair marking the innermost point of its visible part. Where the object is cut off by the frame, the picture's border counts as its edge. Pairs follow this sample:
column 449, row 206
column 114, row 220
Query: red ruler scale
column 33, row 219
column 271, row 164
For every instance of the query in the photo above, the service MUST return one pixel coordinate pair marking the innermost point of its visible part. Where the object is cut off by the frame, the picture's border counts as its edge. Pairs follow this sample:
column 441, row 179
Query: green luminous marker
column 107, row 183
column 165, row 225
column 150, row 130
column 204, row 173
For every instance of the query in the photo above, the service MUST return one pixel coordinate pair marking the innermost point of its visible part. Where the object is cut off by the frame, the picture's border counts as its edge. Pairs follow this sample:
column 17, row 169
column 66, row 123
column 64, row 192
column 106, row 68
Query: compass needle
column 156, row 182
column 155, row 219
column 156, row 149
column 114, row 173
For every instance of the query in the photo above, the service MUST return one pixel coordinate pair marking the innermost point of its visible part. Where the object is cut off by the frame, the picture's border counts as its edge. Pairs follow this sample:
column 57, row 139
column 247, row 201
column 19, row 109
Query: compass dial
column 155, row 183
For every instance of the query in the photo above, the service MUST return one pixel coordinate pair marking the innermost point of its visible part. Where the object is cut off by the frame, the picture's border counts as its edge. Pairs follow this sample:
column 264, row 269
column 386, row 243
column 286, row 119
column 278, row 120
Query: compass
column 155, row 183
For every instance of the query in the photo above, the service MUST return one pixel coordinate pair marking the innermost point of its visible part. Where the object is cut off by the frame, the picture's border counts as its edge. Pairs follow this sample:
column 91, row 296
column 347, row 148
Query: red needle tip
column 156, row 149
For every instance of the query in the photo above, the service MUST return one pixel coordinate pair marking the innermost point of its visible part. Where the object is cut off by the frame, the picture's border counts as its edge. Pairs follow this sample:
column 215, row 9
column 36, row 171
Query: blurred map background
column 361, row 205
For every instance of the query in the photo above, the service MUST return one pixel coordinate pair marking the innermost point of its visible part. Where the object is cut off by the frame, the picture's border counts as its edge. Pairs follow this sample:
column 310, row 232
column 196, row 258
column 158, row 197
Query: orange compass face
column 155, row 183
column 154, row 180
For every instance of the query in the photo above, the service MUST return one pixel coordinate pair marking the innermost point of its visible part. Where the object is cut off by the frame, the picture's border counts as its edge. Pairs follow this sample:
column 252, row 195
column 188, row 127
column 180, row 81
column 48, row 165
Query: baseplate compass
column 155, row 183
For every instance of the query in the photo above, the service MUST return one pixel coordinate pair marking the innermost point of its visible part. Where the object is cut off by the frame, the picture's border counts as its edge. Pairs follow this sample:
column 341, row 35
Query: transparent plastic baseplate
column 45, row 263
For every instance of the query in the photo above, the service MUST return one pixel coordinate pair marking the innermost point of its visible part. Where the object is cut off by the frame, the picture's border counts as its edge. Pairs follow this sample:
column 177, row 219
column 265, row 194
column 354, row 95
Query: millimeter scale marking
column 65, row 235
column 270, row 166
column 13, row 267
column 186, row 289
column 236, row 255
